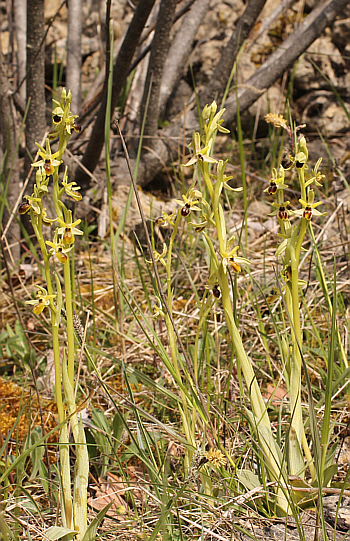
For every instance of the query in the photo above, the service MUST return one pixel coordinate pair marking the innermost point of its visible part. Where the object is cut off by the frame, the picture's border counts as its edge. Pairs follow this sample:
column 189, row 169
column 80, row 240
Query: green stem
column 168, row 260
column 56, row 194
column 172, row 339
column 69, row 317
column 257, row 401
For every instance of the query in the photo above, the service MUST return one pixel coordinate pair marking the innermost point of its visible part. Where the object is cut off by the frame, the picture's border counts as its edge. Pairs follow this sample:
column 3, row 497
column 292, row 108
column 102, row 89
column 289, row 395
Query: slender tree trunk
column 9, row 187
column 74, row 53
column 180, row 49
column 20, row 9
column 35, row 124
column 159, row 52
column 120, row 72
column 217, row 84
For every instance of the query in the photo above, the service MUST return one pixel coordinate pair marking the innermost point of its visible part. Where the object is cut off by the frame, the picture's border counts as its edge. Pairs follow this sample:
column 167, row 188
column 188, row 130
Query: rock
column 324, row 54
column 259, row 209
column 321, row 111
column 52, row 7
column 272, row 100
column 152, row 207
column 289, row 530
column 334, row 515
column 341, row 33
column 318, row 149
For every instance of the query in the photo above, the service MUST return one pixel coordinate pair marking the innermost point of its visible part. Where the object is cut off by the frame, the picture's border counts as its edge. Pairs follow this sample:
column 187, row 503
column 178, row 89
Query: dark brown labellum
column 216, row 292
column 282, row 213
column 77, row 127
column 272, row 188
column 56, row 119
column 307, row 213
column 299, row 165
column 185, row 211
column 23, row 208
column 48, row 166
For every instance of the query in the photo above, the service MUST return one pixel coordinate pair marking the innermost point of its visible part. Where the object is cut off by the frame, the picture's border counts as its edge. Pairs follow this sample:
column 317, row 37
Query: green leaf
column 37, row 453
column 248, row 479
column 58, row 532
column 329, row 473
column 90, row 533
column 118, row 427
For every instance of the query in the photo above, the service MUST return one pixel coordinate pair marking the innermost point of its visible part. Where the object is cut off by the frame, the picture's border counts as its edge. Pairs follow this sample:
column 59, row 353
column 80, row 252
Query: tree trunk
column 217, row 84
column 180, row 50
column 9, row 188
column 20, row 15
column 120, row 72
column 35, row 124
column 74, row 53
column 159, row 52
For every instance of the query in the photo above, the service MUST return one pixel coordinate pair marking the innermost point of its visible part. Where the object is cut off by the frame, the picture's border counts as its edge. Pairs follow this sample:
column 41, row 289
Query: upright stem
column 172, row 340
column 69, row 317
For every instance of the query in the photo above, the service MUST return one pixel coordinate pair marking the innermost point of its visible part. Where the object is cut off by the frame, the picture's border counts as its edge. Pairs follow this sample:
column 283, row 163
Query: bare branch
column 120, row 72
column 216, row 86
column 179, row 51
column 159, row 52
column 74, row 52
column 284, row 57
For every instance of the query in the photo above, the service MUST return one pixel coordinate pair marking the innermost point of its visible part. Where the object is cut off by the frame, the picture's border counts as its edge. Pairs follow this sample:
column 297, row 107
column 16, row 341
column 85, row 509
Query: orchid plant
column 224, row 258
column 73, row 506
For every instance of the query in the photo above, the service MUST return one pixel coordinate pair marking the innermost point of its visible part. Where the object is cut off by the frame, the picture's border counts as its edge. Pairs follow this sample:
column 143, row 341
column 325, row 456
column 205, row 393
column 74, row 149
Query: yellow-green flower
column 68, row 230
column 46, row 220
column 309, row 207
column 59, row 249
column 224, row 179
column 189, row 202
column 281, row 211
column 200, row 154
column 317, row 176
column 229, row 259
column 42, row 300
column 34, row 202
column 213, row 120
column 206, row 218
column 277, row 181
column 62, row 117
column 71, row 188
column 158, row 309
column 49, row 161
column 159, row 256
column 165, row 219
column 57, row 115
